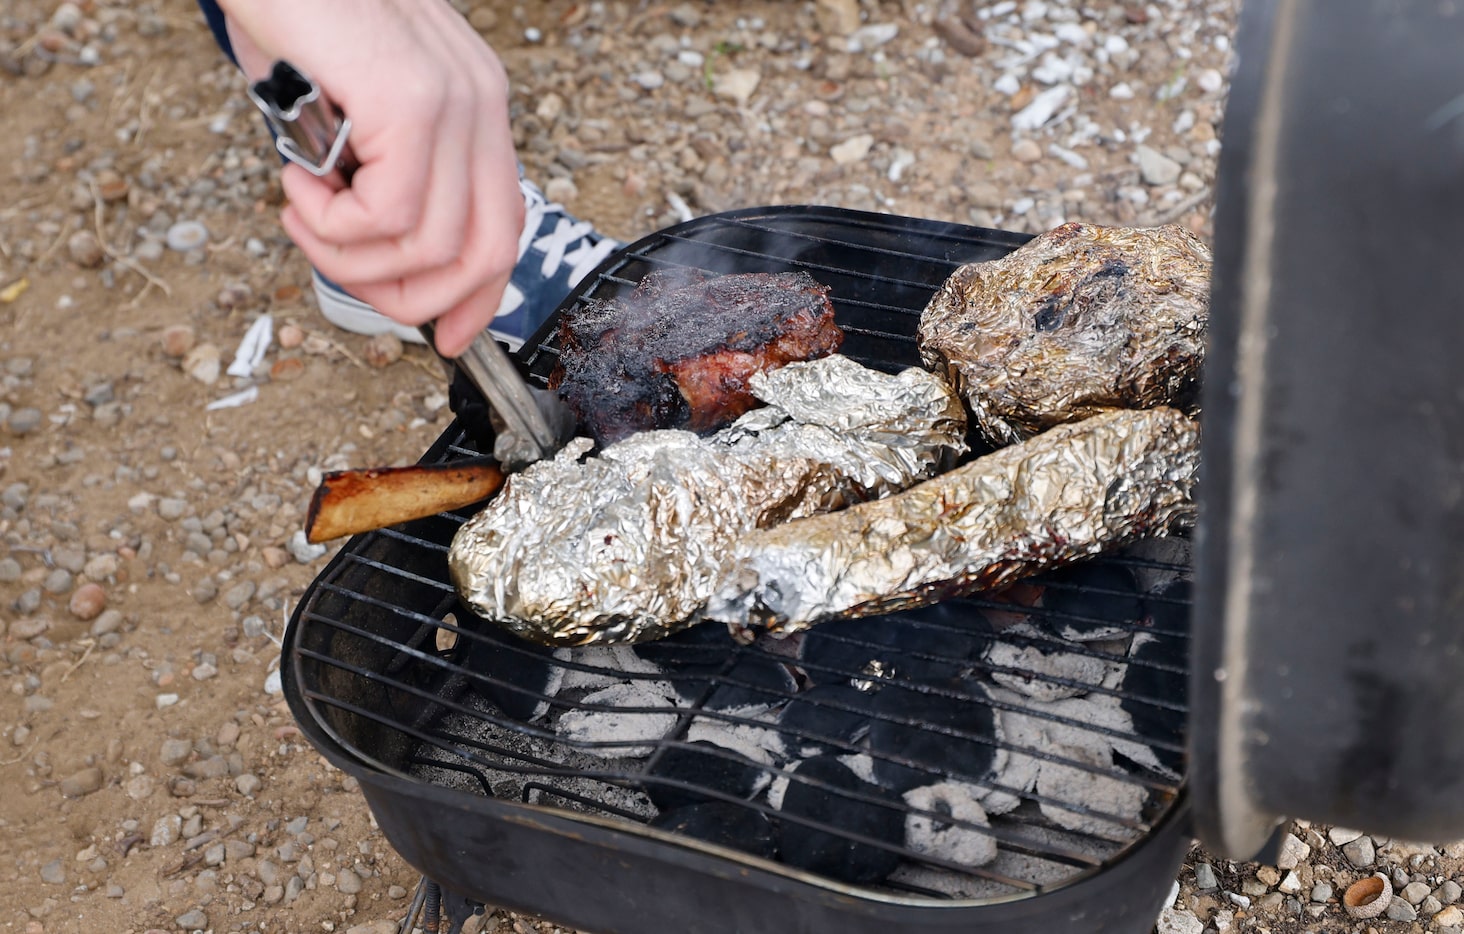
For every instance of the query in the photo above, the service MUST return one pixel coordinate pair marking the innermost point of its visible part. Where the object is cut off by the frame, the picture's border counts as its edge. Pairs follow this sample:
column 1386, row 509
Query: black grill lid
column 1329, row 668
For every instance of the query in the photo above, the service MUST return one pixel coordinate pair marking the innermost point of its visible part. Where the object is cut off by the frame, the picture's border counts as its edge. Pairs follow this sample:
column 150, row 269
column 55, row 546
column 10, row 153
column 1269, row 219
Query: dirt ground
column 152, row 777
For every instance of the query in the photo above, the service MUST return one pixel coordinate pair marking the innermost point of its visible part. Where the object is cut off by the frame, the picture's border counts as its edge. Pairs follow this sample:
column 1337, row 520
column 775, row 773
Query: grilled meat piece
column 626, row 546
column 1078, row 320
column 678, row 351
column 1070, row 492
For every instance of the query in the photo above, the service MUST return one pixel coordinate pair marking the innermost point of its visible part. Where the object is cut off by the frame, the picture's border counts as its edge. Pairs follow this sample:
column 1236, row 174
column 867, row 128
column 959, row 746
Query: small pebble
column 82, row 783
column 53, row 873
column 85, row 250
column 177, row 340
column 291, row 336
column 186, row 235
column 204, row 363
column 1400, row 910
column 383, row 350
column 194, row 920
column 24, row 421
column 1450, row 917
column 1360, row 852
column 87, row 602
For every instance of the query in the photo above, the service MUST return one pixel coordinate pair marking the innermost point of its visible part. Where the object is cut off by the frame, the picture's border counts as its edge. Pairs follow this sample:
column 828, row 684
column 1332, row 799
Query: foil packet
column 1079, row 320
column 627, row 546
column 1069, row 493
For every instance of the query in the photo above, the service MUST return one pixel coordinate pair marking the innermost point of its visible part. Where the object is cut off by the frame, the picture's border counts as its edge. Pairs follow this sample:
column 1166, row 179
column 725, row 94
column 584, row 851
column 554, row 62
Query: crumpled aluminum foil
column 627, row 546
column 1068, row 493
column 1079, row 320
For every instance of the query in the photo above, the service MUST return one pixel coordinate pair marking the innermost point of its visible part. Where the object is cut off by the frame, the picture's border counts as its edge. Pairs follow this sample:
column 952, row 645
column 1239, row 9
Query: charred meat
column 1068, row 493
column 1081, row 319
column 679, row 350
column 626, row 546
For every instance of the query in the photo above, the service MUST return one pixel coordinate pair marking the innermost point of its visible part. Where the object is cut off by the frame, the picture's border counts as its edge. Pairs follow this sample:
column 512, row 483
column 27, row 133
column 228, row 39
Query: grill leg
column 432, row 906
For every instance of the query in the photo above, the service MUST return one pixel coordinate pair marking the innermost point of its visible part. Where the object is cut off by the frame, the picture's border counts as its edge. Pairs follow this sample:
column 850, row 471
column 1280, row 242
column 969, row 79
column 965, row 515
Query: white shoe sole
column 350, row 314
column 354, row 315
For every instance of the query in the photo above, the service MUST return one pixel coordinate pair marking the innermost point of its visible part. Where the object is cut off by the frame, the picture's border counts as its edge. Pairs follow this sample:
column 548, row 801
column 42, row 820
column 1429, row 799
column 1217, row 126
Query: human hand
column 429, row 228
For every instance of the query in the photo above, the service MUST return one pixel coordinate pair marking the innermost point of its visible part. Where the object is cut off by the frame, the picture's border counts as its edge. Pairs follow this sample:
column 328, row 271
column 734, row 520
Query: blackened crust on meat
column 1081, row 319
column 678, row 351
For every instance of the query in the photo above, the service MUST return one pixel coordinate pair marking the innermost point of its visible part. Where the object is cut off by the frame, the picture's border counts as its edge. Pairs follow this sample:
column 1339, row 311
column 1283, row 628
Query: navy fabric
column 215, row 17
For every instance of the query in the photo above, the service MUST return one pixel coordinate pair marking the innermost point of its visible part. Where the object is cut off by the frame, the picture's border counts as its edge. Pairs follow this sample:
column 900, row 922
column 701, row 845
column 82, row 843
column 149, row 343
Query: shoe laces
column 571, row 243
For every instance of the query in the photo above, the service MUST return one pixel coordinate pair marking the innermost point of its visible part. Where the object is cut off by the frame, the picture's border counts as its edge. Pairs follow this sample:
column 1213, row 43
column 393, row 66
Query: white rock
column 1072, row 33
column 1210, row 80
column 1068, row 156
column 737, row 84
column 853, row 149
column 1007, row 84
column 204, row 363
column 872, row 36
column 903, row 159
column 1291, row 884
column 186, row 235
column 1155, row 167
column 1121, row 92
column 1293, row 852
column 1178, row 921
column 1341, row 836
column 1052, row 70
column 1042, row 107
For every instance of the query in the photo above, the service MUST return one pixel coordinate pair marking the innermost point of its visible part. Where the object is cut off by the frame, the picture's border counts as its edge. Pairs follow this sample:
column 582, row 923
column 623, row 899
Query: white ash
column 954, row 842
column 1032, row 728
column 1007, row 863
column 758, row 743
column 1090, row 791
column 629, row 732
column 1040, row 671
column 613, row 662
column 861, row 765
column 777, row 788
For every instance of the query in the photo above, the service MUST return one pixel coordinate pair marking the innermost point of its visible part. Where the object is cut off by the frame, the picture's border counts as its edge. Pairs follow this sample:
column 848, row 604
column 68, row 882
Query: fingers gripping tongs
column 529, row 424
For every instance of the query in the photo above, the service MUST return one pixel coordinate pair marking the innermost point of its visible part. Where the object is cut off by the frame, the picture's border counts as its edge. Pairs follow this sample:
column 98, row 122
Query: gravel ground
column 150, row 552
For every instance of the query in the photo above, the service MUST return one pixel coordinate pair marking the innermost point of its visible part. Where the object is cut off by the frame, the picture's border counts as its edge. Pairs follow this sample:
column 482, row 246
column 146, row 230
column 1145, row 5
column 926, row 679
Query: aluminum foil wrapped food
column 1080, row 319
column 626, row 546
column 1070, row 492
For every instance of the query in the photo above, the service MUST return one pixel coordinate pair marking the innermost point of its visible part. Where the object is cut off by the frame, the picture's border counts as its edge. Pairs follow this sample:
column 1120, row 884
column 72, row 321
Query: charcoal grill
column 457, row 731
column 1331, row 455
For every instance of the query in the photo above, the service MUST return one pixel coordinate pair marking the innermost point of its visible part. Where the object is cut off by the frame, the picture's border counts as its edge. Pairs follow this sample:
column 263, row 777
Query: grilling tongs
column 529, row 424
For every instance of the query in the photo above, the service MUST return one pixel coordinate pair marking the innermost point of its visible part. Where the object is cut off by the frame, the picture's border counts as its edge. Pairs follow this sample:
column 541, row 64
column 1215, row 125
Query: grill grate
column 1045, row 723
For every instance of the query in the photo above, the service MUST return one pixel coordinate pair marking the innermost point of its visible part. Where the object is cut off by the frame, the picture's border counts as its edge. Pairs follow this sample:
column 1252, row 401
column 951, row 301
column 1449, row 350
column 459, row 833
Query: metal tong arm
column 490, row 368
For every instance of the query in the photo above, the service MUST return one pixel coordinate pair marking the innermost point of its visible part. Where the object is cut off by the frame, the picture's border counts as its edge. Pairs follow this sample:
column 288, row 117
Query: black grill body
column 404, row 689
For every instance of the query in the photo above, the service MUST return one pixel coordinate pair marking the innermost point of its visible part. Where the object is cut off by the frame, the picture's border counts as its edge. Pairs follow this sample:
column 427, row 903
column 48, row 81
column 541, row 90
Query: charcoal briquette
column 707, row 768
column 517, row 676
column 730, row 825
column 829, row 852
column 826, row 718
column 911, row 738
column 924, row 645
column 1158, row 671
column 1094, row 600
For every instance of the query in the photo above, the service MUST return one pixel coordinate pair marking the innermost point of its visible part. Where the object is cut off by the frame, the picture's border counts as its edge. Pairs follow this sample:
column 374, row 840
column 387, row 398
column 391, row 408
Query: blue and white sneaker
column 555, row 252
